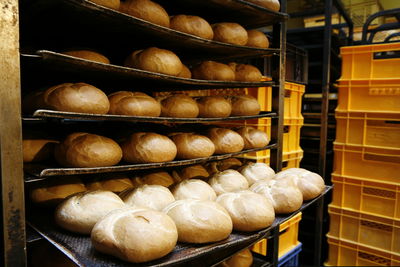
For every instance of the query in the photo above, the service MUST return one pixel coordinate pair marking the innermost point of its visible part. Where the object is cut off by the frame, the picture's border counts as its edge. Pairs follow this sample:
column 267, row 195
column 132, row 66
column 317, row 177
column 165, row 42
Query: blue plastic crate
column 290, row 259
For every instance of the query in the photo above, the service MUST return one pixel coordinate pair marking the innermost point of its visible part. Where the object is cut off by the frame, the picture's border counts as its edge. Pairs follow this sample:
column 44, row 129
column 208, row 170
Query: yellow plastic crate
column 345, row 253
column 289, row 159
column 368, row 62
column 372, row 129
column 373, row 198
column 288, row 237
column 373, row 231
column 372, row 164
column 381, row 95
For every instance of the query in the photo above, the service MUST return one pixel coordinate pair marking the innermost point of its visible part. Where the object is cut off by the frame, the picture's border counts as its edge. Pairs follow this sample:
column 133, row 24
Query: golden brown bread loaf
column 192, row 25
column 135, row 234
column 199, row 221
column 154, row 197
column 133, row 104
column 192, row 146
column 228, row 32
column 244, row 105
column 83, row 150
column 179, row 106
column 56, row 190
column 156, row 60
column 273, row 5
column 222, row 165
column 116, row 184
column 214, row 107
column 80, row 212
column 190, row 172
column 228, row 181
column 193, row 189
column 225, row 140
column 257, row 171
column 148, row 147
column 113, row 4
column 310, row 184
column 89, row 55
column 185, row 72
column 146, row 10
column 249, row 211
column 245, row 72
column 243, row 258
column 37, row 150
column 257, row 39
column 214, row 71
column 253, row 138
column 157, row 178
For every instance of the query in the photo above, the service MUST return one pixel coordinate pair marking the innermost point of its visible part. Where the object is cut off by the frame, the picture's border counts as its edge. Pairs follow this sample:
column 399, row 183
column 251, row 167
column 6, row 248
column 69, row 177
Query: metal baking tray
column 79, row 248
column 38, row 170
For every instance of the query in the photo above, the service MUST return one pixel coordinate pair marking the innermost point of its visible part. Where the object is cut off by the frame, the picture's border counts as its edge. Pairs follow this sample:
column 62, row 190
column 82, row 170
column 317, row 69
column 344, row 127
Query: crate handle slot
column 393, row 122
column 285, row 164
column 374, row 258
column 387, row 54
column 384, row 158
column 377, row 226
column 288, row 93
column 286, row 128
column 283, row 231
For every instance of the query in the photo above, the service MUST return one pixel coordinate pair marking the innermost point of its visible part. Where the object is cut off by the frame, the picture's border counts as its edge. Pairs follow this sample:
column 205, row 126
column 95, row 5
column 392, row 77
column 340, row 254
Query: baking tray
column 79, row 248
column 38, row 170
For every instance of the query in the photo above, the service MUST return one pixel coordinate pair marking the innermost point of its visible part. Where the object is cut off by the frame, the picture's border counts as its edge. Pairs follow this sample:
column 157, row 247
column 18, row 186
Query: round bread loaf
column 157, row 178
column 116, row 185
column 135, row 235
column 84, row 150
column 199, row 221
column 222, row 165
column 253, row 138
column 245, row 72
column 88, row 55
column 133, row 104
column 214, row 107
column 228, row 181
column 273, row 5
column 244, row 105
column 257, row 171
column 249, row 211
column 257, row 39
column 193, row 25
column 76, row 97
column 243, row 258
column 225, row 140
column 37, row 150
column 185, row 72
column 191, row 172
column 113, row 4
column 310, row 184
column 179, row 106
column 154, row 197
column 146, row 10
column 56, row 190
column 214, row 71
column 193, row 189
column 155, row 60
column 228, row 32
column 283, row 194
column 80, row 212
column 192, row 146
column 148, row 147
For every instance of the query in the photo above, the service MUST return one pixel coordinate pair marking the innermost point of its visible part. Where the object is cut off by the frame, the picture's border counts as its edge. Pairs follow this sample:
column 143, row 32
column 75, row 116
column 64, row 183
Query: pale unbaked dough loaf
column 228, row 181
column 146, row 10
column 257, row 171
column 193, row 189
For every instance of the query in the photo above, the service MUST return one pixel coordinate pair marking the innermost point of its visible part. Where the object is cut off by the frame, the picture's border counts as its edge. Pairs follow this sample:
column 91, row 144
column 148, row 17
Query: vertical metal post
column 319, row 219
column 273, row 247
column 12, row 185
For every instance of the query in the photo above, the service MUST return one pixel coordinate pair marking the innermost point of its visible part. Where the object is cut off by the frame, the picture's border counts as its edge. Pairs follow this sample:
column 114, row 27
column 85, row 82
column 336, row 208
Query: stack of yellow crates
column 365, row 211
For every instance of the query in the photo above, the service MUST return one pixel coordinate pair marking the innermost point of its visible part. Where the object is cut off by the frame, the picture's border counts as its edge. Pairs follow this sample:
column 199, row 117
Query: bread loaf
column 193, row 25
column 257, row 171
column 245, row 72
column 257, row 39
column 191, row 172
column 84, row 150
column 243, row 258
column 185, row 72
column 193, row 189
column 148, row 147
column 133, row 104
column 214, row 71
column 222, row 165
column 135, row 235
column 154, row 197
column 225, row 140
column 155, row 60
column 244, row 105
column 37, row 150
column 80, row 212
column 113, row 4
column 146, row 10
column 273, row 5
column 249, row 211
column 157, row 178
column 88, row 55
column 310, row 184
column 214, row 107
column 192, row 146
column 228, row 181
column 116, row 185
column 199, row 221
column 253, row 138
column 180, row 106
column 231, row 33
